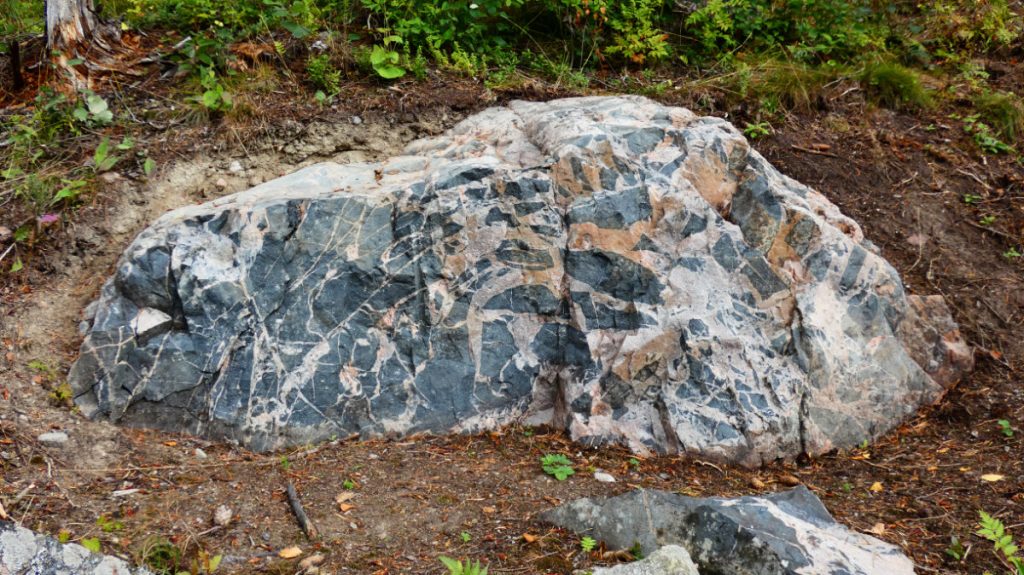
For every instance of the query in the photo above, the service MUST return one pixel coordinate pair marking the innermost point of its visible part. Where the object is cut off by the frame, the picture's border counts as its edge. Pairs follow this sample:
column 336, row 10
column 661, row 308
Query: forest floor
column 917, row 184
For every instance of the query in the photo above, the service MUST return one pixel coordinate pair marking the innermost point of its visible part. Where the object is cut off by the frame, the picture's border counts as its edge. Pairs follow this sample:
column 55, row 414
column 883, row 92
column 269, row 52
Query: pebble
column 53, row 439
column 200, row 454
column 603, row 477
column 222, row 516
column 221, row 183
column 357, row 120
column 235, row 167
column 5, row 233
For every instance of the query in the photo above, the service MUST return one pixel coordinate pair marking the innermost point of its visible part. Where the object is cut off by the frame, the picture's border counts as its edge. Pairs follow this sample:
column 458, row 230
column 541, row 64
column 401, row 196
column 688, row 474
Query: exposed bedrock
column 624, row 270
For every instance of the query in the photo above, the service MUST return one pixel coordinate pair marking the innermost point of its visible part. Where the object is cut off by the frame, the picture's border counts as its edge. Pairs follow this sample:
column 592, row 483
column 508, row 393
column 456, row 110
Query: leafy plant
column 108, row 525
column 1005, row 427
column 757, row 130
column 987, row 220
column 983, row 136
column 1012, row 253
column 458, row 568
column 95, row 110
column 92, row 544
column 349, row 484
column 588, row 544
column 956, row 549
column 324, row 75
column 1006, row 550
column 384, row 58
column 557, row 465
column 465, row 536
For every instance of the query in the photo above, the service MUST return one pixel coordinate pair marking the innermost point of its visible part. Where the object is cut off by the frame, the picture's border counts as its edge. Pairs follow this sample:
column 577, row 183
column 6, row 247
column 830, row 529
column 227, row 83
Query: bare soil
column 903, row 177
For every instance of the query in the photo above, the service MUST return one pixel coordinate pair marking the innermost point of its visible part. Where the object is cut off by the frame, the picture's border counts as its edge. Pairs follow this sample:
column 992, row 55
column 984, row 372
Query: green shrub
column 894, row 86
column 323, row 74
column 1003, row 112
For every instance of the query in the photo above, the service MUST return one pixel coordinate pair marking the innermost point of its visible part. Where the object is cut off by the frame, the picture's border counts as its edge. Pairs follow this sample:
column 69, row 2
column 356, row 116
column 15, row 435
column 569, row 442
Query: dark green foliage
column 894, row 86
column 1003, row 112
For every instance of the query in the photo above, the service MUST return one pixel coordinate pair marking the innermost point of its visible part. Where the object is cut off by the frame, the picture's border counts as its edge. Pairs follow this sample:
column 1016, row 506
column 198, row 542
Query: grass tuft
column 1004, row 113
column 894, row 86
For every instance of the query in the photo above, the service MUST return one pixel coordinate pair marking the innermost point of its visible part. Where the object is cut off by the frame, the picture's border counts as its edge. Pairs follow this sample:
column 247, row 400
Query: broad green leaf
column 215, row 562
column 148, row 166
column 92, row 544
column 16, row 267
column 211, row 98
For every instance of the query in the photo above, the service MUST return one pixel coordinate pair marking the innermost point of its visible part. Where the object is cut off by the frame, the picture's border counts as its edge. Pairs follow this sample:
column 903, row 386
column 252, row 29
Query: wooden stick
column 816, row 152
column 300, row 514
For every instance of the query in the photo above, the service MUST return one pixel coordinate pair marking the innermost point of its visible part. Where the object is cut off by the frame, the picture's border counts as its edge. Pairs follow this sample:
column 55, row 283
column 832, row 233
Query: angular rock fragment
column 23, row 552
column 627, row 271
column 786, row 533
column 669, row 560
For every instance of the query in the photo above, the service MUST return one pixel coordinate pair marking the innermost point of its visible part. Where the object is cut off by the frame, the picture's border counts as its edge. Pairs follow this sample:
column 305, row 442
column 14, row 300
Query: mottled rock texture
column 23, row 552
column 669, row 560
column 787, row 533
column 627, row 271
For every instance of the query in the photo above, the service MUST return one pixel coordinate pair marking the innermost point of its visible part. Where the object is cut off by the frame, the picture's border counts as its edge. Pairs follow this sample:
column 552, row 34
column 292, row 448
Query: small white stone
column 221, row 183
column 222, row 516
column 200, row 454
column 357, row 120
column 53, row 439
column 235, row 167
column 604, row 477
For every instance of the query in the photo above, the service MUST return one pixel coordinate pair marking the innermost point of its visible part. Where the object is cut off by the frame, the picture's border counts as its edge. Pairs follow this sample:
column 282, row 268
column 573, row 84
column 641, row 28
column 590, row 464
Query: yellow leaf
column 489, row 510
column 876, row 487
column 289, row 553
column 991, row 477
column 345, row 507
column 529, row 538
column 878, row 529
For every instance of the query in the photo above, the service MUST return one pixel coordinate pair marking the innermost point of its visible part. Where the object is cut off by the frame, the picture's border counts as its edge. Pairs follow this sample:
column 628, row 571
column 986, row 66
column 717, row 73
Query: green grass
column 894, row 86
column 1003, row 112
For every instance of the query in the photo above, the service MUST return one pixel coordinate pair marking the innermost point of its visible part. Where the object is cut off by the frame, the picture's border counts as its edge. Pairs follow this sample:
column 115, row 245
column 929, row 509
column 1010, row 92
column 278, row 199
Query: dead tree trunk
column 70, row 25
column 82, row 41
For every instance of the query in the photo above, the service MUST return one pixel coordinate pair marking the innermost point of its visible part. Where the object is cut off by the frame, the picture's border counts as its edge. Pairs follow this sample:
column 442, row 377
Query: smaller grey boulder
column 669, row 560
column 24, row 552
column 786, row 533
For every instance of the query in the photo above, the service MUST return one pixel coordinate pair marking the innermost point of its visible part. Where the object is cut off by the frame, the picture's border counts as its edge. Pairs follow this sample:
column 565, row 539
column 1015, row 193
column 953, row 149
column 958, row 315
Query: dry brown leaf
column 529, row 538
column 489, row 510
column 346, row 507
column 757, row 483
column 343, row 497
column 877, row 529
column 289, row 552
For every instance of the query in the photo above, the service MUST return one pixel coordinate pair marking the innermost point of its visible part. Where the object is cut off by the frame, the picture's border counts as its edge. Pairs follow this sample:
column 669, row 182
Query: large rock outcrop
column 786, row 533
column 627, row 271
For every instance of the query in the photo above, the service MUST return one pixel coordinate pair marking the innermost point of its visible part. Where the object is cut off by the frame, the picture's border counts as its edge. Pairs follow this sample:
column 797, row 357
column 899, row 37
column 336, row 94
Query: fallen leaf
column 346, row 507
column 991, row 477
column 877, row 529
column 489, row 510
column 343, row 497
column 289, row 553
column 171, row 443
column 529, row 538
column 876, row 487
column 757, row 483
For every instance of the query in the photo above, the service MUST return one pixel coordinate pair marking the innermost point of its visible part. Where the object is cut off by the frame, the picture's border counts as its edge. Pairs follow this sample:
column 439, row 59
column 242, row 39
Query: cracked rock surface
column 23, row 552
column 623, row 270
column 786, row 533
